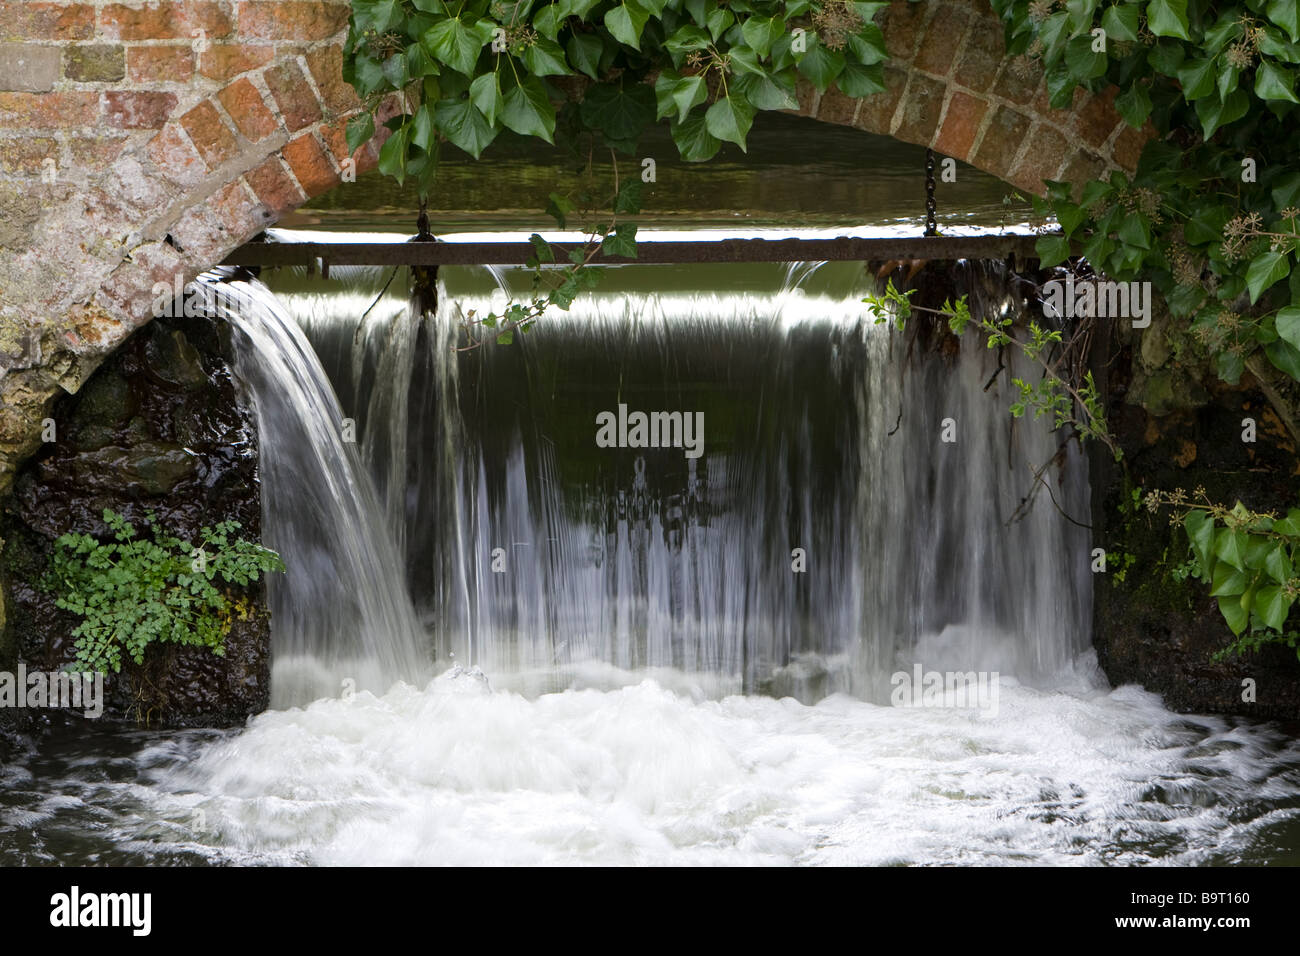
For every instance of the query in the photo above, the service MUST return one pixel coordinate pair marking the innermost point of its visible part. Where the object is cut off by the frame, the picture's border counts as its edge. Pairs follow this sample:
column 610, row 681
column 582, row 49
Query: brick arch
column 178, row 129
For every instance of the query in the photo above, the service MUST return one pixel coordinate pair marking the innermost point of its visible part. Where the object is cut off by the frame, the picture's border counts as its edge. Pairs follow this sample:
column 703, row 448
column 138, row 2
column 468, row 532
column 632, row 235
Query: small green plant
column 1247, row 558
column 153, row 588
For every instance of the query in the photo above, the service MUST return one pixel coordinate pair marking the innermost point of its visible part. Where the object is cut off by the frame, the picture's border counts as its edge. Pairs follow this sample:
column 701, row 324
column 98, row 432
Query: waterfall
column 342, row 612
column 825, row 538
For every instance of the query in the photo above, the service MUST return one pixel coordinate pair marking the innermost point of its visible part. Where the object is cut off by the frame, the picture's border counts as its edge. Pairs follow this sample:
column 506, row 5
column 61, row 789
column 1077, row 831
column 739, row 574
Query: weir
column 826, row 536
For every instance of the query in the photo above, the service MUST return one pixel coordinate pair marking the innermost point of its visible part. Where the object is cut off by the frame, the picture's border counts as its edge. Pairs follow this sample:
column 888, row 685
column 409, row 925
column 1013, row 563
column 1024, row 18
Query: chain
column 931, row 228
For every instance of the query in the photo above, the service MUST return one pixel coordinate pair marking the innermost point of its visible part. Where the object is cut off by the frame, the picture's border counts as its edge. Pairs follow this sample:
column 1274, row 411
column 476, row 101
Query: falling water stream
column 649, row 656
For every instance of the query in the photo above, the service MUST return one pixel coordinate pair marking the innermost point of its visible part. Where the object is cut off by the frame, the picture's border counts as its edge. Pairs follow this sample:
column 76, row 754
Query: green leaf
column 719, row 21
column 1228, row 581
column 729, row 119
column 1135, row 231
column 760, row 33
column 855, row 80
column 541, row 248
column 1272, row 605
column 1214, row 113
column 1284, row 356
column 821, row 65
column 1290, row 525
column 1134, row 105
column 683, row 96
column 1082, row 61
column 1197, row 78
column 378, row 15
column 545, row 58
column 621, row 111
column 1234, row 614
column 1200, row 532
column 626, row 22
column 621, row 242
column 694, row 141
column 464, row 126
column 485, row 94
column 1229, row 366
column 360, row 130
column 1278, row 564
column 1286, row 14
column 1168, row 18
column 1288, row 325
column 769, row 91
column 1274, row 83
column 548, row 20
column 1052, row 250
column 527, row 109
column 687, row 38
column 1264, row 271
column 454, row 44
column 392, row 155
column 1120, row 22
column 1230, row 546
column 584, row 53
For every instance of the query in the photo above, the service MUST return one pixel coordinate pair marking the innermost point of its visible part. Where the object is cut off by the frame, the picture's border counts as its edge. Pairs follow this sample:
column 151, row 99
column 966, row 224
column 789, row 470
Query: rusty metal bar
column 648, row 251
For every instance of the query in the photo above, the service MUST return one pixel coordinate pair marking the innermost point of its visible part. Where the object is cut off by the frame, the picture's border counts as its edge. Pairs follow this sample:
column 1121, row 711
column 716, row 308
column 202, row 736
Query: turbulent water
column 678, row 659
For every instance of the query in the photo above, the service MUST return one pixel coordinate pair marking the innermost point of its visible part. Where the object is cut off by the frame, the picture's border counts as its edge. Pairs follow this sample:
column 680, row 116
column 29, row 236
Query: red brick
column 26, row 155
column 160, row 64
column 334, row 135
column 240, row 214
column 48, row 110
column 165, row 21
column 835, row 107
column 95, row 153
column 1129, row 144
column 210, row 135
column 134, row 110
column 310, row 164
column 960, row 124
column 222, row 61
column 938, row 52
column 1042, row 160
column 901, row 24
column 294, row 95
column 249, row 111
column 176, row 157
column 326, row 65
column 27, row 20
column 877, row 110
column 274, row 187
column 1096, row 118
column 291, row 19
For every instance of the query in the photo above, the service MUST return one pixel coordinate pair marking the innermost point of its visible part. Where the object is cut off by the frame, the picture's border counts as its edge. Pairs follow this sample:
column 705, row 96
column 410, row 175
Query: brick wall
column 145, row 139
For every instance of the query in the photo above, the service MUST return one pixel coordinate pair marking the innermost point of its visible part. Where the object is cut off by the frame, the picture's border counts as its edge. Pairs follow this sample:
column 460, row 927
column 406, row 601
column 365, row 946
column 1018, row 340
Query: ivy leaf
column 454, row 44
column 1052, row 250
column 626, row 22
column 1134, row 105
column 584, row 53
column 1286, row 14
column 743, row 60
column 1277, row 565
column 1232, row 611
column 761, row 32
column 1120, row 21
column 687, row 38
column 369, row 73
column 464, row 126
column 1200, row 532
column 1135, row 231
column 485, row 94
column 527, row 109
column 541, row 248
column 1229, row 366
column 1284, row 356
column 621, row 111
column 1274, row 83
column 694, row 141
column 1197, row 78
column 1264, row 271
column 684, row 95
column 545, row 58
column 1272, row 605
column 548, row 20
column 1168, row 18
column 1230, row 546
column 1214, row 113
column 857, row 81
column 378, row 15
column 1288, row 325
column 621, row 242
column 821, row 65
column 718, row 21
column 360, row 130
column 392, row 155
column 1083, row 62
column 1228, row 581
column 729, row 119
column 628, row 200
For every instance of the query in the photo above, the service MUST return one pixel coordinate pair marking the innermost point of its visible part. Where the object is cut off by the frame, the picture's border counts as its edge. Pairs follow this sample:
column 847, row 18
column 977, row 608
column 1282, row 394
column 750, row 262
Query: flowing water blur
column 681, row 660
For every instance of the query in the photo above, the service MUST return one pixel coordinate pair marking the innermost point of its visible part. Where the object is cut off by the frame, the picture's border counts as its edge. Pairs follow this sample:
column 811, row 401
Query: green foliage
column 1210, row 214
column 137, row 590
column 1056, row 392
column 1247, row 558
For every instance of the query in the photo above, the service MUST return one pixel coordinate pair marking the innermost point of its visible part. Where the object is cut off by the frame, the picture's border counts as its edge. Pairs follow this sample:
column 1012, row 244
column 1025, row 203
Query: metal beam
column 649, row 251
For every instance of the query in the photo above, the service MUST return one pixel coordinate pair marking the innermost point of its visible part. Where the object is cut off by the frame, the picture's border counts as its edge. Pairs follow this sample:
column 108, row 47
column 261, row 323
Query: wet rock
column 160, row 428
